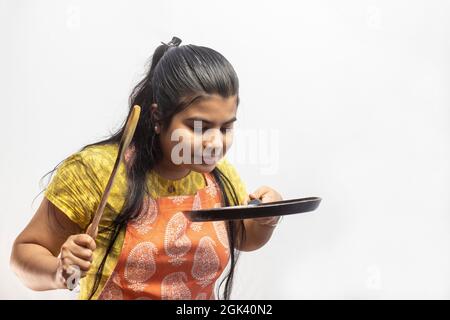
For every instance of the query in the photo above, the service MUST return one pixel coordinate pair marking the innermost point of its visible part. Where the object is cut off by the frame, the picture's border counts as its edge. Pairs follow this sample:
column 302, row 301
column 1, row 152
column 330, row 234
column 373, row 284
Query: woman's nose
column 213, row 139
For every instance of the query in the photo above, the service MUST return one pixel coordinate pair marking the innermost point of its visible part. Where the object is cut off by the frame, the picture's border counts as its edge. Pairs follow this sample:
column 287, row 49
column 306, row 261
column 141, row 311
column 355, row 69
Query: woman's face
column 198, row 137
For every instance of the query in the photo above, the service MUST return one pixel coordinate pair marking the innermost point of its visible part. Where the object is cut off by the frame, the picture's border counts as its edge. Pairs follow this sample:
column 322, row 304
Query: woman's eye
column 204, row 129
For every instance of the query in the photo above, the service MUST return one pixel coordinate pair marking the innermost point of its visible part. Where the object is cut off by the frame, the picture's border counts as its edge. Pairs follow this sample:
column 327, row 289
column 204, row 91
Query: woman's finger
column 259, row 192
column 71, row 260
column 85, row 241
column 82, row 253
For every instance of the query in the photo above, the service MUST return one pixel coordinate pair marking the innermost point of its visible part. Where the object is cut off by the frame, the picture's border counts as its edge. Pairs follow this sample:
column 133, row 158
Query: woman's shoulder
column 90, row 165
column 97, row 154
column 98, row 159
column 79, row 182
column 229, row 170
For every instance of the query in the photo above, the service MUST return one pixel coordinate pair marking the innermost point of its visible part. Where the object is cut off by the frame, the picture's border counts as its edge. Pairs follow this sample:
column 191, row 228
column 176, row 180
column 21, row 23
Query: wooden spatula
column 128, row 133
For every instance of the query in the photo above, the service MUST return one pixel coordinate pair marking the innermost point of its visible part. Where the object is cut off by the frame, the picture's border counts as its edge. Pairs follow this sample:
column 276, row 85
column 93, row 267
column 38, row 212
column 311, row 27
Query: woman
column 145, row 248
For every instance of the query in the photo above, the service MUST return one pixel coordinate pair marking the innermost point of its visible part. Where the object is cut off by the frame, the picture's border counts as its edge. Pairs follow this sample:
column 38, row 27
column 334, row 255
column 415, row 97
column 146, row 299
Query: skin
column 45, row 250
column 217, row 115
column 51, row 244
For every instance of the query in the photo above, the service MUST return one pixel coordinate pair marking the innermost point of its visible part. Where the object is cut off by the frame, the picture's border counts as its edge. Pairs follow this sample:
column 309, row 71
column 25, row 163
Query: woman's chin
column 203, row 167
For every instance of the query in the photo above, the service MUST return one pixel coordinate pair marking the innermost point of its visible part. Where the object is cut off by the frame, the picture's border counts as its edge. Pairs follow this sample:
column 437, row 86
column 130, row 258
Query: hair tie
column 175, row 42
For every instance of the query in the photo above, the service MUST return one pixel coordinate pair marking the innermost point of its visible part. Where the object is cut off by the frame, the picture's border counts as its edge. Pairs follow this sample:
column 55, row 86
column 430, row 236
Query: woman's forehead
column 211, row 107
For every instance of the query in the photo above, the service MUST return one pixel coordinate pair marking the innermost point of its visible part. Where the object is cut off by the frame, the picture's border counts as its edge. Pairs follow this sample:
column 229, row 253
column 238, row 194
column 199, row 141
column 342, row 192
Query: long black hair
column 177, row 76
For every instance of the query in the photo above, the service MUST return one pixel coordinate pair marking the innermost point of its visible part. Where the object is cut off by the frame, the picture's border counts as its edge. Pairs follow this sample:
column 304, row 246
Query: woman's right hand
column 75, row 259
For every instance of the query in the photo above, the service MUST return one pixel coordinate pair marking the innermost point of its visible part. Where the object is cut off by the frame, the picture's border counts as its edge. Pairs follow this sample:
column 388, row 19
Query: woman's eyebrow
column 210, row 122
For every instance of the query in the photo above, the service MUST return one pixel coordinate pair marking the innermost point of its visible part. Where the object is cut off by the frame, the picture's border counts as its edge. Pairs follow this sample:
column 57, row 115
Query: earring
column 156, row 129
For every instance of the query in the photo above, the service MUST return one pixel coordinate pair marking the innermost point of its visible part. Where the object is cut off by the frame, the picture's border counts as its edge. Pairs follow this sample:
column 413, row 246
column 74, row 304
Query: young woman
column 145, row 248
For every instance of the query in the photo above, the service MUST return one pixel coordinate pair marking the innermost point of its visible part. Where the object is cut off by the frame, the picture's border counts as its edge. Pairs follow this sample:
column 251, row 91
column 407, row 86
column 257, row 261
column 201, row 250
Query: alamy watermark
column 255, row 147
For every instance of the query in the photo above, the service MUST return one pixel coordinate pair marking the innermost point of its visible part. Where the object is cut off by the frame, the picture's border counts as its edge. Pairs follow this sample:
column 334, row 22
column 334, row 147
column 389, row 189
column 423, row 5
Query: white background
column 354, row 94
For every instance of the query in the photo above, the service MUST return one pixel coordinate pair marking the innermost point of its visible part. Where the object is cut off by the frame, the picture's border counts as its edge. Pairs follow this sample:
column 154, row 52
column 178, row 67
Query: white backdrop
column 350, row 98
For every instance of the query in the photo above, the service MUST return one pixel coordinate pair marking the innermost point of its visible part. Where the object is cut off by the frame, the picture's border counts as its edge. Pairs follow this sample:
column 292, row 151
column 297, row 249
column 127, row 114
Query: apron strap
column 209, row 179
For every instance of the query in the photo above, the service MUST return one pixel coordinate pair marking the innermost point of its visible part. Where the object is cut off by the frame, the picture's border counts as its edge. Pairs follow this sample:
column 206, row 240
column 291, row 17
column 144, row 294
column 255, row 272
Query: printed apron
column 166, row 256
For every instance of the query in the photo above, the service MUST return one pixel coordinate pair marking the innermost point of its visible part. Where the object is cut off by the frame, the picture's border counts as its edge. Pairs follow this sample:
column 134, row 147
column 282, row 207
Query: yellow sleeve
column 231, row 173
column 75, row 189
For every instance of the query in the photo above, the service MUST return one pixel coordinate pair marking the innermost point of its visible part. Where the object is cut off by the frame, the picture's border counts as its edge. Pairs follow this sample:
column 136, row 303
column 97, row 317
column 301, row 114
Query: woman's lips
column 205, row 160
column 210, row 160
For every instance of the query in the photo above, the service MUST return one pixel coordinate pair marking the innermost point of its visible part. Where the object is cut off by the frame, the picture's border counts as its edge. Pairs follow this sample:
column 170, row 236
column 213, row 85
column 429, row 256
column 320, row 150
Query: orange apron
column 165, row 256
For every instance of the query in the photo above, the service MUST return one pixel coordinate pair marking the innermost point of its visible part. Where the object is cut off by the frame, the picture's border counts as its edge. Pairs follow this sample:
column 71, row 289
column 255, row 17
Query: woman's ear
column 155, row 117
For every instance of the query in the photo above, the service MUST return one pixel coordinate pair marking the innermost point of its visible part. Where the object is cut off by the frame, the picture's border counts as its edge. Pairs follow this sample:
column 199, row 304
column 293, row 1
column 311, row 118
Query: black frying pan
column 255, row 209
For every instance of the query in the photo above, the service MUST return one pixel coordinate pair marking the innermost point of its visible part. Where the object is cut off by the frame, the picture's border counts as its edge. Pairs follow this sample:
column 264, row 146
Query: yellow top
column 78, row 184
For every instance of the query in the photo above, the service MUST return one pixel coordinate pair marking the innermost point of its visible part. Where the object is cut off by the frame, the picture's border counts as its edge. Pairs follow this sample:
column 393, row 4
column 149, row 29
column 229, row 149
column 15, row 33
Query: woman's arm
column 34, row 256
column 257, row 235
column 259, row 231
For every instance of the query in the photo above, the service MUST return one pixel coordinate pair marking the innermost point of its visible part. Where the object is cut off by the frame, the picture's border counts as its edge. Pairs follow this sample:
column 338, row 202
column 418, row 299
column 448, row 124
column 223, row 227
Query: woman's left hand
column 265, row 194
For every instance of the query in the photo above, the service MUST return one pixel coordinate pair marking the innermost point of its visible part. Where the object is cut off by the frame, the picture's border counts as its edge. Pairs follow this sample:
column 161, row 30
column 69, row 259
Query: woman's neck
column 170, row 171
